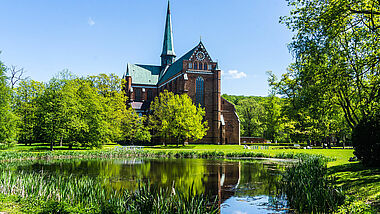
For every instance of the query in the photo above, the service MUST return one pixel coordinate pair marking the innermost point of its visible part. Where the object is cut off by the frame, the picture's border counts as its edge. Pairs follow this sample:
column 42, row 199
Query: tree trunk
column 51, row 146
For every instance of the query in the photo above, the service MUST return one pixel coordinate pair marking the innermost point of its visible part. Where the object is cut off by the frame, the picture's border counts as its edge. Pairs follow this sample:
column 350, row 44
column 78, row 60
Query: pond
column 249, row 186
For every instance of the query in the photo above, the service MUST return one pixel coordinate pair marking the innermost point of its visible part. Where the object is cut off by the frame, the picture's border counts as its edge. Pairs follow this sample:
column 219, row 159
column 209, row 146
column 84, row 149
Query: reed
column 308, row 187
column 83, row 194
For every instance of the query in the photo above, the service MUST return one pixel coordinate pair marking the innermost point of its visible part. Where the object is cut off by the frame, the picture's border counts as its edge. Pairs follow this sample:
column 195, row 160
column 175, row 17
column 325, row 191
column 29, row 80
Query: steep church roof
column 176, row 67
column 143, row 74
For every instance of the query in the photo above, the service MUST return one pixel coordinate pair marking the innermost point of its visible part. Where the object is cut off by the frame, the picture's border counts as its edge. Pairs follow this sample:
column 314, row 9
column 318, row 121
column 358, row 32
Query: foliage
column 251, row 114
column 334, row 81
column 8, row 120
column 134, row 128
column 366, row 140
column 308, row 187
column 336, row 50
column 263, row 117
column 73, row 111
column 25, row 104
column 175, row 116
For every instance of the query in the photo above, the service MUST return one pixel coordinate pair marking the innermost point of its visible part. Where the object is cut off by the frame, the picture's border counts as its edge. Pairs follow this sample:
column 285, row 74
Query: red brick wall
column 232, row 122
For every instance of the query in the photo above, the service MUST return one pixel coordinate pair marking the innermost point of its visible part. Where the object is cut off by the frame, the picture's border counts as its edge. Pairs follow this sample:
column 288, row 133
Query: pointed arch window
column 150, row 95
column 199, row 93
column 138, row 95
column 200, row 66
column 205, row 66
column 195, row 65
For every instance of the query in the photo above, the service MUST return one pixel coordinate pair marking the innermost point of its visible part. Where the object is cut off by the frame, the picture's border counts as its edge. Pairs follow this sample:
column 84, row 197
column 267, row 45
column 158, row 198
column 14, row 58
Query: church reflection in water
column 236, row 183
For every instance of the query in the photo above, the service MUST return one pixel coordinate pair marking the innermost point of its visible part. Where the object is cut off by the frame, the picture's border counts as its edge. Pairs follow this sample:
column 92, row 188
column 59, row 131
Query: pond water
column 242, row 186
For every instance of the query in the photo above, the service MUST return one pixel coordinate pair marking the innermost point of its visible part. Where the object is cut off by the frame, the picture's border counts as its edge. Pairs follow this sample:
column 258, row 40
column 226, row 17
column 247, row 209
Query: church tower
column 194, row 74
column 168, row 55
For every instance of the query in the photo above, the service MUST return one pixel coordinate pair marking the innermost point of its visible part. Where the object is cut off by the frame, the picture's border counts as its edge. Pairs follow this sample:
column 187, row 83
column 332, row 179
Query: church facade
column 194, row 73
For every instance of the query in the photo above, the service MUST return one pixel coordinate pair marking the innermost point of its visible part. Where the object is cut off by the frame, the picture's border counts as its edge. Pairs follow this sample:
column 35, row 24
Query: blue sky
column 92, row 36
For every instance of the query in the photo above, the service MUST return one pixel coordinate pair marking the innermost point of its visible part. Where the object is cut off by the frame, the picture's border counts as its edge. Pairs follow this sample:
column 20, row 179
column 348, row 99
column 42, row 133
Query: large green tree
column 251, row 113
column 25, row 104
column 73, row 111
column 175, row 116
column 336, row 49
column 8, row 120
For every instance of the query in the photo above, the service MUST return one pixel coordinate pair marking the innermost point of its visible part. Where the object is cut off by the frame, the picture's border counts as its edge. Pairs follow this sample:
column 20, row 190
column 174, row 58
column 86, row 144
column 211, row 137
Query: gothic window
column 205, row 66
column 138, row 94
column 150, row 95
column 195, row 65
column 199, row 93
column 209, row 67
column 190, row 65
column 200, row 66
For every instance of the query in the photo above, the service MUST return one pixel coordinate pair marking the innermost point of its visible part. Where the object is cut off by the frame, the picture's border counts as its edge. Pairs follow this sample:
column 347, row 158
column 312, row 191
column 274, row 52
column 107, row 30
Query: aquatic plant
column 70, row 194
column 308, row 187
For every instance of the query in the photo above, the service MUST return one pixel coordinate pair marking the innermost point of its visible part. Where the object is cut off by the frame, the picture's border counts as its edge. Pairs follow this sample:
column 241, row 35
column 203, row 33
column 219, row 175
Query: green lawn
column 341, row 155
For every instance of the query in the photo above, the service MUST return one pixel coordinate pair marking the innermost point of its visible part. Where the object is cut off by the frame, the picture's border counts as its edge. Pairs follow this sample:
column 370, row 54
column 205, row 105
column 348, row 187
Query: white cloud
column 234, row 74
column 239, row 212
column 90, row 21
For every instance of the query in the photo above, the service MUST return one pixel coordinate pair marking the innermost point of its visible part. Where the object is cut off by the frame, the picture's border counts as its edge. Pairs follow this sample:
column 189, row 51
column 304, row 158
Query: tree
column 336, row 48
column 175, row 116
column 272, row 118
column 251, row 114
column 134, row 129
column 8, row 120
column 25, row 105
column 366, row 140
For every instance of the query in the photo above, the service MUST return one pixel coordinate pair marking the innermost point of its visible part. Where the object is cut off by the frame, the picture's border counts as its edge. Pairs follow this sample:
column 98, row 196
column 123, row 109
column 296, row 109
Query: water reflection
column 242, row 186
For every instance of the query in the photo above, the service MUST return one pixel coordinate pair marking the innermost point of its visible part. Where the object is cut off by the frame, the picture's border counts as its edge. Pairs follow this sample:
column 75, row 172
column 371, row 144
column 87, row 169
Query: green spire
column 168, row 55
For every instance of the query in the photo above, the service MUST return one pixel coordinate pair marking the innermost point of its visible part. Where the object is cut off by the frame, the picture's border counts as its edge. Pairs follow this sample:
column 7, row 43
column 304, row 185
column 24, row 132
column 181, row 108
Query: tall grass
column 63, row 193
column 308, row 187
column 9, row 156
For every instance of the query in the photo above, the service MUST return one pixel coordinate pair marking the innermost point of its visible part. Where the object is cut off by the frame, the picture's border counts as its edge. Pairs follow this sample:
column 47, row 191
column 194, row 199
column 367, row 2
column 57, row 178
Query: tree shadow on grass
column 353, row 167
column 40, row 147
column 358, row 180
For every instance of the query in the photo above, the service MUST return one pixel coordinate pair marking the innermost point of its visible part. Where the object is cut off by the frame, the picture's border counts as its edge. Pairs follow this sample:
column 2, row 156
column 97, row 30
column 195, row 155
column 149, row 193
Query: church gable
column 200, row 60
column 200, row 54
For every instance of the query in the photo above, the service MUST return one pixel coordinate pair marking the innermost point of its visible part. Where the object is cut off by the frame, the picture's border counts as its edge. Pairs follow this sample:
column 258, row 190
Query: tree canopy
column 175, row 117
column 336, row 50
column 8, row 131
column 76, row 111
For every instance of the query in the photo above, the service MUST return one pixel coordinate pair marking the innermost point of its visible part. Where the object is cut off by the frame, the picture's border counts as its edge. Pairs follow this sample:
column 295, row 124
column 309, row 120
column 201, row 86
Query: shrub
column 366, row 140
column 309, row 189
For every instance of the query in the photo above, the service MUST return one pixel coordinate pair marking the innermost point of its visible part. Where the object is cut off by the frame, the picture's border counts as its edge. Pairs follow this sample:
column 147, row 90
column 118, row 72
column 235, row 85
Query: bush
column 366, row 140
column 308, row 187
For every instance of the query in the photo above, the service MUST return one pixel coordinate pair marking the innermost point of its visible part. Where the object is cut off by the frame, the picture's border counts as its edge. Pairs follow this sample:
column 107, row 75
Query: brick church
column 194, row 73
